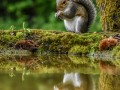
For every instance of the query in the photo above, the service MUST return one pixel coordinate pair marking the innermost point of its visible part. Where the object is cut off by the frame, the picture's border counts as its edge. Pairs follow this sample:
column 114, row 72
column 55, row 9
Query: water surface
column 58, row 72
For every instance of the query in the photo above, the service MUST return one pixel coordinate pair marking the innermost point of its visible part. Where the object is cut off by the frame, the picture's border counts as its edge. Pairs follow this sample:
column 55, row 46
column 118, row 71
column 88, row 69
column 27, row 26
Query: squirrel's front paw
column 59, row 14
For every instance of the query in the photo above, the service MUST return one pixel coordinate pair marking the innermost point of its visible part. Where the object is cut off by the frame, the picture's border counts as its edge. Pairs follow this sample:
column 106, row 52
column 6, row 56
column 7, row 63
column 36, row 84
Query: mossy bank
column 54, row 42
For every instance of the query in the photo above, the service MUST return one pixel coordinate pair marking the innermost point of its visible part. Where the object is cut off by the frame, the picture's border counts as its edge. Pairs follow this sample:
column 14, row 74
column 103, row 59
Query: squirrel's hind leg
column 81, row 25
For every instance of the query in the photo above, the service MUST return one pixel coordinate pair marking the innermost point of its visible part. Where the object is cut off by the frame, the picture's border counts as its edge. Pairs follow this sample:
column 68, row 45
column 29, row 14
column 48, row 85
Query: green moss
column 110, row 14
column 118, row 54
column 19, row 34
column 54, row 41
column 79, row 50
column 109, row 82
column 116, row 51
column 116, row 63
column 63, row 42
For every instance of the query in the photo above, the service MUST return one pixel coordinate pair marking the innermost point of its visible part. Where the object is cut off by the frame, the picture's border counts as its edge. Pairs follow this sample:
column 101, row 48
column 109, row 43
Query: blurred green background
column 36, row 14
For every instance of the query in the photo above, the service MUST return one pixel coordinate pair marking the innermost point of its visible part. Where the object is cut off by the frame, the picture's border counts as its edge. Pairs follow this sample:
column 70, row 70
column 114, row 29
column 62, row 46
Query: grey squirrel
column 78, row 15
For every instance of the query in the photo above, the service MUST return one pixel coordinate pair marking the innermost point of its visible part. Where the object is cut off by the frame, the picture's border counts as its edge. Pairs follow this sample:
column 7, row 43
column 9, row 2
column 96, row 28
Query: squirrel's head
column 62, row 4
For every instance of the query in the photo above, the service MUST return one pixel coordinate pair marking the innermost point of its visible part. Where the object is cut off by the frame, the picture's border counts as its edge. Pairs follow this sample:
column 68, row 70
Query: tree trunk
column 110, row 14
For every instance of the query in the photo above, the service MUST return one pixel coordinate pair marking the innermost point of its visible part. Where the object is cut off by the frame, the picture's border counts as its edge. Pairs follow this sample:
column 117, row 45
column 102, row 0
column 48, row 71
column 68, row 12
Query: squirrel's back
column 88, row 4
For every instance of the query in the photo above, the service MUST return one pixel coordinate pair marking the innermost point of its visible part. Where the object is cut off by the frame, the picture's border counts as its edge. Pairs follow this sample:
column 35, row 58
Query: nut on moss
column 27, row 45
column 107, row 43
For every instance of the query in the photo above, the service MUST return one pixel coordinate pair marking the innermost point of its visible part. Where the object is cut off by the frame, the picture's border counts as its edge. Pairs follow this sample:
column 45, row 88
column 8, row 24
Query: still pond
column 58, row 72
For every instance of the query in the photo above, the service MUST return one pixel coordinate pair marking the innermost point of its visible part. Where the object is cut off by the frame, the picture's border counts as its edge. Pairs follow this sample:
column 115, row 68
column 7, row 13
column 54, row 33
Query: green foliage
column 96, row 26
column 54, row 24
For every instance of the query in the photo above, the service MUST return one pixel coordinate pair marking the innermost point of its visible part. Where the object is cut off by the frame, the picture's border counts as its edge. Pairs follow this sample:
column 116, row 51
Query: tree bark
column 110, row 14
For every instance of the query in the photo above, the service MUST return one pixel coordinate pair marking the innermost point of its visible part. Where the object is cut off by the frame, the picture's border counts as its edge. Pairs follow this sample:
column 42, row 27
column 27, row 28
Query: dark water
column 58, row 72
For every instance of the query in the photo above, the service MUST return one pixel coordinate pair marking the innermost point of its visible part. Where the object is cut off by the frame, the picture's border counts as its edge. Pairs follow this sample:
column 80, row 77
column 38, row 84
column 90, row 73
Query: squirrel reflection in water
column 75, row 81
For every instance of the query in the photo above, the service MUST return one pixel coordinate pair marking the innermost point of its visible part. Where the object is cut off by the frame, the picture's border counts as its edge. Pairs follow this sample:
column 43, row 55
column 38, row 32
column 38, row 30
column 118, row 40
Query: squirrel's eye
column 64, row 2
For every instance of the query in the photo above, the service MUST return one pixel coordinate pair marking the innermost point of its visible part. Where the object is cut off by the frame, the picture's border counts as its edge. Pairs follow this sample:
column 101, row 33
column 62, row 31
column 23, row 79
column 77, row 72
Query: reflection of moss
column 109, row 82
column 7, row 64
column 79, row 60
column 48, row 64
column 83, row 61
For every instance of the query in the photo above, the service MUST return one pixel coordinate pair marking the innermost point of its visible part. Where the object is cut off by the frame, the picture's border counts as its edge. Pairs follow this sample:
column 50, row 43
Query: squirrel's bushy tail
column 88, row 4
